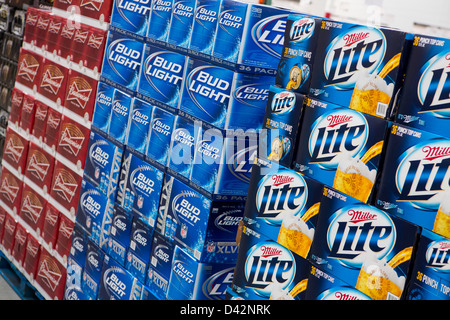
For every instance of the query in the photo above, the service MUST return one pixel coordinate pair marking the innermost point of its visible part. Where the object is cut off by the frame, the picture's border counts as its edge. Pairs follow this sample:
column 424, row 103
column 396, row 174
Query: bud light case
column 266, row 270
column 139, row 126
column 194, row 280
column 103, row 163
column 430, row 278
column 139, row 187
column 161, row 77
column 120, row 113
column 283, row 205
column 122, row 60
column 181, row 23
column 79, row 247
column 117, row 283
column 335, row 138
column 326, row 286
column 159, row 21
column 92, row 272
column 161, row 127
column 297, row 57
column 413, row 184
column 282, row 122
column 354, row 63
column 103, row 106
column 363, row 245
column 132, row 17
column 138, row 255
column 119, row 236
column 424, row 102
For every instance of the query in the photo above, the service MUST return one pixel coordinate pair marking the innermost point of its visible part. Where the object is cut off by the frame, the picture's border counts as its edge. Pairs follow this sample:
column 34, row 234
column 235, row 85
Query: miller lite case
column 363, row 245
column 267, row 270
column 281, row 123
column 194, row 280
column 413, row 184
column 297, row 58
column 341, row 147
column 358, row 66
column 283, row 205
column 430, row 278
column 424, row 103
column 132, row 17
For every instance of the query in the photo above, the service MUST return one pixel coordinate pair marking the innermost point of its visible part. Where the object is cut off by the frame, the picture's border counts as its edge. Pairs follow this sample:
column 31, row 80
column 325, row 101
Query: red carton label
column 93, row 51
column 64, row 241
column 10, row 190
column 39, row 167
column 29, row 68
column 52, row 127
column 16, row 106
column 73, row 141
column 32, row 208
column 31, row 258
column 15, row 150
column 80, row 94
column 65, row 187
column 30, row 25
column 65, row 4
column 27, row 113
column 3, row 214
column 54, row 33
column 8, row 233
column 96, row 9
column 53, row 81
column 51, row 275
column 66, row 38
column 80, row 40
column 40, row 119
column 20, row 242
column 40, row 35
column 50, row 225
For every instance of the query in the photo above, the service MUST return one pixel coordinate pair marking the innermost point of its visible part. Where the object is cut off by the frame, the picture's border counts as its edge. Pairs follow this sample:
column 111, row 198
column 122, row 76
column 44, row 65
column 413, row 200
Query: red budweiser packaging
column 10, row 190
column 41, row 29
column 65, row 187
column 30, row 25
column 53, row 34
column 94, row 49
column 15, row 150
column 3, row 214
column 39, row 167
column 31, row 258
column 73, row 141
column 29, row 68
column 50, row 275
column 52, row 84
column 27, row 113
column 8, row 233
column 68, row 29
column 40, row 120
column 50, row 225
column 16, row 106
column 65, row 4
column 32, row 208
column 99, row 10
column 79, row 42
column 20, row 242
column 64, row 238
column 80, row 94
column 52, row 128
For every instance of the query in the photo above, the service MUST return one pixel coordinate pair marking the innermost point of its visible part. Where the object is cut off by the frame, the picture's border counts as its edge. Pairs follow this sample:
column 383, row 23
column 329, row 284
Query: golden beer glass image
column 442, row 221
column 278, row 293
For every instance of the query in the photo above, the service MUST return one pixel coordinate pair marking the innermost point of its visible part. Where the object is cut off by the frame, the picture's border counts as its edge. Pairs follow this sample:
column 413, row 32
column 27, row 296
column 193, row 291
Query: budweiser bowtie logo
column 53, row 121
column 54, row 27
column 16, row 99
column 43, row 22
column 67, row 31
column 28, row 67
column 49, row 273
column 32, row 18
column 41, row 112
column 9, row 188
column 28, row 105
column 38, row 164
column 65, row 229
column 81, row 36
column 95, row 41
column 65, row 184
column 51, row 217
column 71, row 138
column 32, row 206
column 79, row 92
column 52, row 79
column 14, row 148
column 96, row 4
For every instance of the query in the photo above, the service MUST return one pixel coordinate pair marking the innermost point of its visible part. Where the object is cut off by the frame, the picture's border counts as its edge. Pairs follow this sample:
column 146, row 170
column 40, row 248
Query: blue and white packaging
column 78, row 249
column 281, row 124
column 159, row 268
column 181, row 23
column 161, row 77
column 94, row 213
column 117, row 283
column 103, row 106
column 93, row 270
column 139, row 126
column 159, row 23
column 120, row 114
column 103, row 163
column 132, row 17
column 297, row 58
column 160, row 136
column 206, row 228
column 193, row 280
column 119, row 235
column 182, row 149
column 122, row 61
column 267, row 270
column 204, row 28
column 140, row 186
column 138, row 255
column 430, row 277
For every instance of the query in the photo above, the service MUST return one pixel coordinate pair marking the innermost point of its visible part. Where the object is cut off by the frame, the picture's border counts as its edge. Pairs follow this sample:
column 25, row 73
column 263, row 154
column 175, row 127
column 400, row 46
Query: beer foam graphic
column 366, row 81
column 350, row 164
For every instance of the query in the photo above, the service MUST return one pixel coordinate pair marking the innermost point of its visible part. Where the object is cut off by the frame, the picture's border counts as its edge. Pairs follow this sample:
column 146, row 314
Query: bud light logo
column 268, row 34
column 134, row 14
column 433, row 89
column 269, row 263
column 115, row 282
column 251, row 93
column 423, row 174
column 357, row 231
column 187, row 206
column 124, row 58
column 337, row 132
column 281, row 194
column 438, row 256
column 214, row 288
column 361, row 48
column 302, row 29
column 283, row 102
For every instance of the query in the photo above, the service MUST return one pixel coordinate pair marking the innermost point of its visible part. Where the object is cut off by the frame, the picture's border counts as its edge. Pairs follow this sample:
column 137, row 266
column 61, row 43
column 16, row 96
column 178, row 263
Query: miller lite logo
column 268, row 34
column 337, row 132
column 283, row 102
column 438, row 256
column 358, row 230
column 269, row 263
column 362, row 48
column 433, row 89
column 281, row 194
column 302, row 29
column 423, row 174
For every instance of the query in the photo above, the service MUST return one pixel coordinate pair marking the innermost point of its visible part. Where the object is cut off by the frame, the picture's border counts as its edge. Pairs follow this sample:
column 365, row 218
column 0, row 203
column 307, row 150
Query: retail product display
column 213, row 150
